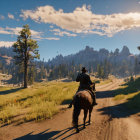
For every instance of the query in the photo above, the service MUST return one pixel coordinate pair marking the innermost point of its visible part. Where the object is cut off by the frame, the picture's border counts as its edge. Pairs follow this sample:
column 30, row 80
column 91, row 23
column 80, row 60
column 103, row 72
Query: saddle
column 89, row 91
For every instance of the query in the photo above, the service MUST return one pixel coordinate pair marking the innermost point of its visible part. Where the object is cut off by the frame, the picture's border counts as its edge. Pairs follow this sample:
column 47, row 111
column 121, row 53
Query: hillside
column 100, row 63
column 19, row 107
column 89, row 55
column 119, row 63
column 6, row 55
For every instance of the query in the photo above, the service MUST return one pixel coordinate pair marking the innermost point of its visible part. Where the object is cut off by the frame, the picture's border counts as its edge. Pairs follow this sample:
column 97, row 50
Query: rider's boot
column 94, row 100
column 70, row 105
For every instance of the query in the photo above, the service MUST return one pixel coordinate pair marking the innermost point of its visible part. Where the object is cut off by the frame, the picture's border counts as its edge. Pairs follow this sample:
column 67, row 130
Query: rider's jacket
column 84, row 80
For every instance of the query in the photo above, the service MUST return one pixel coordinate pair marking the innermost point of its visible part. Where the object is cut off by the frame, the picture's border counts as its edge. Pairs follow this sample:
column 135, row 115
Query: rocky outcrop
column 125, row 51
column 89, row 55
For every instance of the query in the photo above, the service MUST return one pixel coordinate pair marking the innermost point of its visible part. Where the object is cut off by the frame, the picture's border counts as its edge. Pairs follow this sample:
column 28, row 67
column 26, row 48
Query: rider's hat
column 84, row 69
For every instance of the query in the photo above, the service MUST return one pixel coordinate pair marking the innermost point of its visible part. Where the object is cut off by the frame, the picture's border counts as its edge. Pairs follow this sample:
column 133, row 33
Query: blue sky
column 67, row 26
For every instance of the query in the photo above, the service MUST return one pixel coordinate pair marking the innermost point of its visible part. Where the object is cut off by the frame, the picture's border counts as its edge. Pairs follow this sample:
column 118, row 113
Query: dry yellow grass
column 38, row 102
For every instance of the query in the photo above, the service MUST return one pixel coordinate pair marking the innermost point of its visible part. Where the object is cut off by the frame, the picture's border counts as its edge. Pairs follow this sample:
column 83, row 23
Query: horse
column 82, row 100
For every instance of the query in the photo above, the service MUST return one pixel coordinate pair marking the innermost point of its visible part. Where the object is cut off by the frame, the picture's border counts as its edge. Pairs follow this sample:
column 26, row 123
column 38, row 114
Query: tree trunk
column 25, row 75
column 25, row 65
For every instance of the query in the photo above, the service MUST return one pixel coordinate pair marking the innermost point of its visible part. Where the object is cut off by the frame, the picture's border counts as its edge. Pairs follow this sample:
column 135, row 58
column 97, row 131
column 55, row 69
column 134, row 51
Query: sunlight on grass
column 129, row 94
column 103, row 82
column 41, row 111
column 38, row 102
column 119, row 97
column 134, row 101
column 125, row 97
column 8, row 113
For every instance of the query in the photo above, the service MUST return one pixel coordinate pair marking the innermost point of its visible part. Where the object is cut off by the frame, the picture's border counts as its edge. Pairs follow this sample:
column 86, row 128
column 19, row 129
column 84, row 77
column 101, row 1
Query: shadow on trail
column 119, row 111
column 130, row 87
column 105, row 94
column 52, row 135
column 10, row 91
column 122, row 110
column 67, row 101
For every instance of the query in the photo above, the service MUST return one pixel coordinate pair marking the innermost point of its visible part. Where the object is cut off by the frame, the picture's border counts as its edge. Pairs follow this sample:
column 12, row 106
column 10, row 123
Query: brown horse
column 82, row 100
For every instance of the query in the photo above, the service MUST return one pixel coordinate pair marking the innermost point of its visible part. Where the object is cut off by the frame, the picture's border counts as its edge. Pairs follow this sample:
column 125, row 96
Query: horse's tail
column 76, row 110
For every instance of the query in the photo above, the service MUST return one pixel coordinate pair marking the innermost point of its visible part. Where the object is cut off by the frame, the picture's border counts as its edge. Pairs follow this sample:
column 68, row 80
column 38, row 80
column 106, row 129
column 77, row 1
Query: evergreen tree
column 106, row 68
column 136, row 67
column 116, row 52
column 26, row 50
column 31, row 74
column 1, row 65
column 99, row 70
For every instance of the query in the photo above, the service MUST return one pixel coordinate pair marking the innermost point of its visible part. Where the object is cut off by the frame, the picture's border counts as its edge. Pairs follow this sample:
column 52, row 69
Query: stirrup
column 95, row 104
column 70, row 106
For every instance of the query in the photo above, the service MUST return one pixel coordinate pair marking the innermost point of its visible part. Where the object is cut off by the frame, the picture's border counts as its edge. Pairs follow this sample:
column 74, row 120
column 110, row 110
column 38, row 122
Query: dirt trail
column 108, row 123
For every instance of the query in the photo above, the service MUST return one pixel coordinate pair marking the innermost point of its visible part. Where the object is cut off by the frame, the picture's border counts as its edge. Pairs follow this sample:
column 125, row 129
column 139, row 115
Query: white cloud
column 62, row 33
column 15, row 31
column 11, row 16
column 3, row 31
column 2, row 17
column 83, row 20
column 48, row 38
column 51, row 26
column 35, row 34
column 52, row 38
column 6, row 43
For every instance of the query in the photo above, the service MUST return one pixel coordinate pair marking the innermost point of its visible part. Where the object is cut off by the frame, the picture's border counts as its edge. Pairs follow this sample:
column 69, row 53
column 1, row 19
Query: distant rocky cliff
column 119, row 63
column 6, row 55
column 90, row 55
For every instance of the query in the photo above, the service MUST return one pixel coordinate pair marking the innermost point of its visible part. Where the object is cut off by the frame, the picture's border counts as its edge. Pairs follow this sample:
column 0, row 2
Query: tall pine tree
column 26, row 50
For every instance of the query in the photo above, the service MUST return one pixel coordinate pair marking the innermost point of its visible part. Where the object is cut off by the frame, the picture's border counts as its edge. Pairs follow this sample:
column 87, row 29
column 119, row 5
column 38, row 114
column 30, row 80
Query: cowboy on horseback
column 85, row 84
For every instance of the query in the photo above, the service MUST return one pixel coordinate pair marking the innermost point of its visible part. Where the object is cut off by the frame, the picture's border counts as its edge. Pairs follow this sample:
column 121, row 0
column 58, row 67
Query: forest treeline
column 99, row 63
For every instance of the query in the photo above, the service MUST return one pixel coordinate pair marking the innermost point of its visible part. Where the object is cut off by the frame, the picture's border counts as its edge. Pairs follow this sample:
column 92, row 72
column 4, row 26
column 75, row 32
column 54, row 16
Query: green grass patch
column 106, row 81
column 8, row 113
column 42, row 111
column 134, row 102
column 129, row 94
column 38, row 102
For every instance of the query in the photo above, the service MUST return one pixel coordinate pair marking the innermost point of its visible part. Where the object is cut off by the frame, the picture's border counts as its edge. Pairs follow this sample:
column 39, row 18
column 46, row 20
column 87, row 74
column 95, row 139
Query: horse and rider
column 85, row 84
column 83, row 99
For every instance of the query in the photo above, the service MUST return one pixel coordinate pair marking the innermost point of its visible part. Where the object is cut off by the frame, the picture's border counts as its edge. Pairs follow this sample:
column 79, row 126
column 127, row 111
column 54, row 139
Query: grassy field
column 43, row 100
column 38, row 102
column 99, row 81
column 130, row 94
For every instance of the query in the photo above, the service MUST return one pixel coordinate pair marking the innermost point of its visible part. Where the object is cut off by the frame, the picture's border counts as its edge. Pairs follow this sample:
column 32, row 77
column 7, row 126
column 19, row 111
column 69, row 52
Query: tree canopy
column 26, row 50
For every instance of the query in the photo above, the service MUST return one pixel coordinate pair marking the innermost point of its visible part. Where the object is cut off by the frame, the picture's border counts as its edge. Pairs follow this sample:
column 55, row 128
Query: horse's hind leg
column 76, row 125
column 90, row 110
column 76, row 113
column 85, row 116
